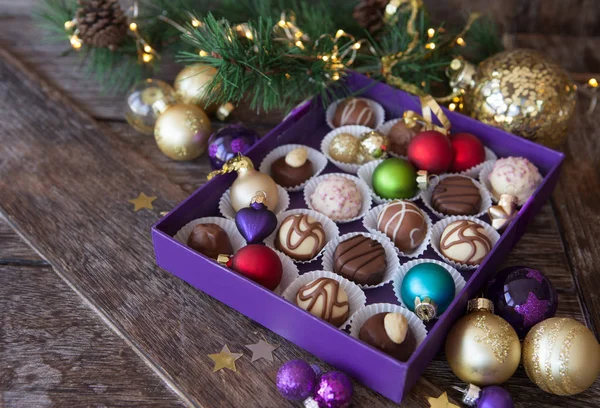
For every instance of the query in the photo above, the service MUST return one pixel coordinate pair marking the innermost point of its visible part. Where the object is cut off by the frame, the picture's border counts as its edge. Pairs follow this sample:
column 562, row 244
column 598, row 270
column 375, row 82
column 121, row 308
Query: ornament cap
column 260, row 197
column 470, row 394
column 425, row 309
column 461, row 73
column 224, row 111
column 160, row 106
column 223, row 259
column 480, row 304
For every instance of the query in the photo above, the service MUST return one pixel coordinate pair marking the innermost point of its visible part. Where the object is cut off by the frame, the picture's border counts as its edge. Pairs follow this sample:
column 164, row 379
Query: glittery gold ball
column 182, row 131
column 561, row 356
column 345, row 148
column 374, row 145
column 483, row 349
column 525, row 93
column 191, row 83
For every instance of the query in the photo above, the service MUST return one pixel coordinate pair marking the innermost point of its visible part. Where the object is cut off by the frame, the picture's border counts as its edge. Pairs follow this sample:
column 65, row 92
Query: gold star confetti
column 224, row 359
column 262, row 349
column 142, row 201
column 441, row 402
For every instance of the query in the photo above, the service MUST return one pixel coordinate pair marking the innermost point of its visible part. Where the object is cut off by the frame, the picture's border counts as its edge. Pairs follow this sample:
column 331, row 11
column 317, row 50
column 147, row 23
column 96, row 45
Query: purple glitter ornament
column 255, row 223
column 523, row 297
column 226, row 142
column 296, row 380
column 488, row 397
column 334, row 390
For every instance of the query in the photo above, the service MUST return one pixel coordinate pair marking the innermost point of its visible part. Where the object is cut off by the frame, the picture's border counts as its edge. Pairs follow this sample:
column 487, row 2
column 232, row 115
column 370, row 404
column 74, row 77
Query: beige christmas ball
column 191, row 85
column 181, row 131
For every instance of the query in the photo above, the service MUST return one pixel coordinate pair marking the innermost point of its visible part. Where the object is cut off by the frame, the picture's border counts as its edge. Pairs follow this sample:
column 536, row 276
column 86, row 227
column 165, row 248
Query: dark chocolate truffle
column 300, row 237
column 354, row 111
column 210, row 240
column 404, row 223
column 399, row 136
column 293, row 169
column 456, row 195
column 325, row 299
column 361, row 260
column 390, row 333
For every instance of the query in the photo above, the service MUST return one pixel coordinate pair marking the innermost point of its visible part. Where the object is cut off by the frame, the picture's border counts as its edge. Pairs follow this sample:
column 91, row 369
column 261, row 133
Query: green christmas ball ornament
column 427, row 289
column 395, row 178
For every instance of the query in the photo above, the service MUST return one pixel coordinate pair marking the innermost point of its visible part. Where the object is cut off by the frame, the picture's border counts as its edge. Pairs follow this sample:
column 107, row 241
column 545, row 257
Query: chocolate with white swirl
column 361, row 260
column 325, row 299
column 404, row 223
column 465, row 242
column 456, row 195
column 300, row 237
column 354, row 111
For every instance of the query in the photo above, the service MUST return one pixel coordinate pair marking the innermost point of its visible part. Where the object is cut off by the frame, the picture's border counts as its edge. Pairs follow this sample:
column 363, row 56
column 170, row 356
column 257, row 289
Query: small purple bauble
column 255, row 223
column 523, row 297
column 296, row 380
column 226, row 142
column 494, row 397
column 334, row 390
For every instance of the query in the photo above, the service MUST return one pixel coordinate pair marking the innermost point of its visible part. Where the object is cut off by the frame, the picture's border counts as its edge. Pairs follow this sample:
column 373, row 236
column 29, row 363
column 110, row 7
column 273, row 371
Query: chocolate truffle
column 404, row 223
column 210, row 240
column 465, row 242
column 399, row 136
column 338, row 198
column 456, row 195
column 300, row 237
column 354, row 111
column 516, row 176
column 361, row 260
column 325, row 299
column 390, row 333
column 292, row 169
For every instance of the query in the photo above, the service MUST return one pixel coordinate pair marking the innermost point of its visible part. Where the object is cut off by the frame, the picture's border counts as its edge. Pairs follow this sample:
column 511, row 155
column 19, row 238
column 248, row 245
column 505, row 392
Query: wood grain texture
column 54, row 351
column 14, row 250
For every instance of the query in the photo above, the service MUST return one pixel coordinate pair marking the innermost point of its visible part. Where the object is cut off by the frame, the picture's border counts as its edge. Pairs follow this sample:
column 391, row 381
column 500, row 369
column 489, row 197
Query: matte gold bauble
column 482, row 348
column 182, row 131
column 561, row 356
column 525, row 93
column 191, row 84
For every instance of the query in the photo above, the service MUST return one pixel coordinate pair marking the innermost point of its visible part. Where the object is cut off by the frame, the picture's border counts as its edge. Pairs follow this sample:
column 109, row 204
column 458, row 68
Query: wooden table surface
column 87, row 319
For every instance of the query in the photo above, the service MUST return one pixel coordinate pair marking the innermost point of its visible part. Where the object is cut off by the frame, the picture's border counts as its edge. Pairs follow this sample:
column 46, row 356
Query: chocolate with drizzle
column 321, row 299
column 361, row 260
column 456, row 195
column 462, row 248
column 294, row 240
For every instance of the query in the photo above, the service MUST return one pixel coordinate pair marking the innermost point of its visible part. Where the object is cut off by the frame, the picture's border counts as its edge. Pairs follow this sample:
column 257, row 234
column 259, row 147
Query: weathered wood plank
column 94, row 240
column 14, row 251
column 55, row 351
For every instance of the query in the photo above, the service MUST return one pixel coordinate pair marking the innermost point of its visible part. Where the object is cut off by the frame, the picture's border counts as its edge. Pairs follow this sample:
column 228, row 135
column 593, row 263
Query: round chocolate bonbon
column 292, row 169
column 360, row 259
column 354, row 111
column 456, row 195
column 465, row 242
column 390, row 333
column 325, row 299
column 210, row 240
column 404, row 223
column 300, row 237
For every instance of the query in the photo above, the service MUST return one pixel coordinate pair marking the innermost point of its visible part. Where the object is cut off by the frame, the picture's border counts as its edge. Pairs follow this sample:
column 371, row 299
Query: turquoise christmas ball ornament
column 427, row 289
column 395, row 178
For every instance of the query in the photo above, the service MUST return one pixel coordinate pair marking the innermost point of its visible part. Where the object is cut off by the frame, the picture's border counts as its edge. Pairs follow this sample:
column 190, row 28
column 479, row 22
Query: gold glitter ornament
column 374, row 145
column 561, row 356
column 482, row 348
column 181, row 131
column 345, row 148
column 520, row 91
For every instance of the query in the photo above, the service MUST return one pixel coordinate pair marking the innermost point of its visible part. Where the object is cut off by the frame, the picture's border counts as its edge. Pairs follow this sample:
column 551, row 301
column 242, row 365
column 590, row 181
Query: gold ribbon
column 428, row 106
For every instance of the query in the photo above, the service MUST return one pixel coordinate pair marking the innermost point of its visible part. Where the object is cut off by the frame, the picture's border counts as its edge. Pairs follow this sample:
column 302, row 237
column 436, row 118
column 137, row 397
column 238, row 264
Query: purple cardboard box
column 306, row 125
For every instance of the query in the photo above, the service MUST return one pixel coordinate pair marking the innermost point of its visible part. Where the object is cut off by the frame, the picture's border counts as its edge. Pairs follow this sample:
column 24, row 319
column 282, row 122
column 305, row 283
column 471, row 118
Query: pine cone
column 101, row 23
column 369, row 14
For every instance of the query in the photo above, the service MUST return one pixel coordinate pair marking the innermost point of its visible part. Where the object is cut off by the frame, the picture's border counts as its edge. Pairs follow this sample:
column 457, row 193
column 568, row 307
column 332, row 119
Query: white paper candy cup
column 290, row 273
column 438, row 229
column 385, row 130
column 486, row 200
column 330, row 227
column 359, row 318
column 311, row 186
column 377, row 109
column 370, row 223
column 365, row 173
column 474, row 171
column 354, row 130
column 459, row 281
column 391, row 258
column 484, row 179
column 317, row 159
column 237, row 241
column 227, row 210
column 356, row 297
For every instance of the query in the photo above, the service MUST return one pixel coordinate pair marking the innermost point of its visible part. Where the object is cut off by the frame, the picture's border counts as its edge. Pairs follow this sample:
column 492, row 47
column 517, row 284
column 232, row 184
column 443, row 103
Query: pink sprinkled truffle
column 516, row 176
column 338, row 198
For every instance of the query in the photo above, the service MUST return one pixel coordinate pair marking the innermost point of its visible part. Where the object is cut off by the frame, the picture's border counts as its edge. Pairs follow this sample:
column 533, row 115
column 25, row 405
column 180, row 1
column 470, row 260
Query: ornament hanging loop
column 428, row 107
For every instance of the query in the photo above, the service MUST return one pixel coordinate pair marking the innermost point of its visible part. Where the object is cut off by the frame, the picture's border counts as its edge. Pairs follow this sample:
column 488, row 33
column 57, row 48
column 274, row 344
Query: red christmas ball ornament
column 431, row 151
column 468, row 151
column 259, row 263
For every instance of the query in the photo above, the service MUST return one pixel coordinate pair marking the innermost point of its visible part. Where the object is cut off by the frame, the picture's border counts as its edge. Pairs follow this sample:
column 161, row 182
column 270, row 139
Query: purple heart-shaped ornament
column 255, row 223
